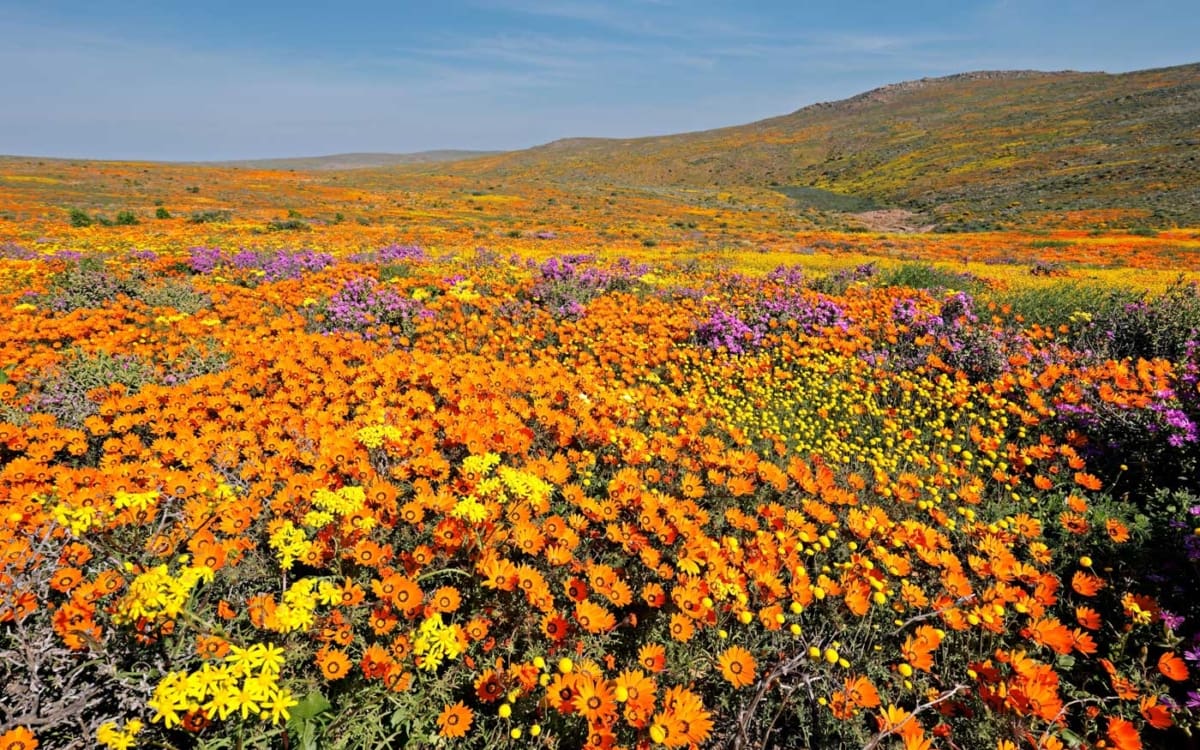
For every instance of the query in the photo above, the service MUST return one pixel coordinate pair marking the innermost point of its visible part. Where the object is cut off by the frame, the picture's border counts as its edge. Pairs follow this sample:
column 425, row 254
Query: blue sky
column 160, row 79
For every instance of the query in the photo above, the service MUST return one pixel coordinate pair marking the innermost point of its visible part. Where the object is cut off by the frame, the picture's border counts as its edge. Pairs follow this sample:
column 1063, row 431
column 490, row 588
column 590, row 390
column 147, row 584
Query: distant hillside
column 354, row 161
column 966, row 151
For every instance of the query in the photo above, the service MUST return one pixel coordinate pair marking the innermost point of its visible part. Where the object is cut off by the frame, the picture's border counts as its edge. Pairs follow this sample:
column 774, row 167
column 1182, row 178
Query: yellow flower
column 278, row 705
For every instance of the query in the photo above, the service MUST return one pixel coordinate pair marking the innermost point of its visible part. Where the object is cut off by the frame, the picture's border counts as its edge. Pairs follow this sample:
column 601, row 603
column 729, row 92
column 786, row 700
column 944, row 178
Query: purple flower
column 362, row 303
column 204, row 259
column 725, row 329
column 1172, row 620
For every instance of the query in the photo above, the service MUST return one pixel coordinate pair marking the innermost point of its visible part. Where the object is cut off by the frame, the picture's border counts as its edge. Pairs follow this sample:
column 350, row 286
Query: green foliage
column 80, row 218
column 827, row 200
column 177, row 293
column 288, row 225
column 389, row 271
column 1055, row 304
column 927, row 276
column 89, row 283
column 65, row 392
column 126, row 219
column 162, row 213
column 218, row 216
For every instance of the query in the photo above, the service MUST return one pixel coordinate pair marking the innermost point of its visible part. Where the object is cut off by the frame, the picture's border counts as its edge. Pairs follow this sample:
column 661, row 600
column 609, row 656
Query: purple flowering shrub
column 778, row 303
column 1162, row 326
column 952, row 336
column 1156, row 434
column 13, row 251
column 67, row 390
column 724, row 329
column 89, row 283
column 839, row 281
column 394, row 260
column 564, row 284
column 363, row 306
column 251, row 266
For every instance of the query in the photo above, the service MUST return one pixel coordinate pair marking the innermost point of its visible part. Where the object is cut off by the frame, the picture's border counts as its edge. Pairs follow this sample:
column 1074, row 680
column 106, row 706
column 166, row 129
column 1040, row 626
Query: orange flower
column 334, row 663
column 654, row 595
column 1087, row 481
column 918, row 648
column 1156, row 715
column 681, row 627
column 1088, row 618
column 1052, row 633
column 1123, row 734
column 1086, row 584
column 1117, row 531
column 454, row 721
column 1172, row 667
column 555, row 626
column 489, row 687
column 861, row 691
column 594, row 618
column 684, row 718
column 594, row 699
column 653, row 657
column 18, row 738
column 738, row 666
column 445, row 599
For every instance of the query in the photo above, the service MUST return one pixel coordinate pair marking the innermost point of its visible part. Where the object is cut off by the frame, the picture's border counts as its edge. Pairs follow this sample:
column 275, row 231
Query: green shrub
column 211, row 217
column 65, row 391
column 926, row 276
column 176, row 293
column 1055, row 304
column 89, row 283
column 80, row 218
column 288, row 225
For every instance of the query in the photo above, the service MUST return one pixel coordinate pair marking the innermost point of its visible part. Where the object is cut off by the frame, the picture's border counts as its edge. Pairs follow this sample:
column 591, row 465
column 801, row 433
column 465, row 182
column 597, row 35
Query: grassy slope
column 972, row 148
column 355, row 160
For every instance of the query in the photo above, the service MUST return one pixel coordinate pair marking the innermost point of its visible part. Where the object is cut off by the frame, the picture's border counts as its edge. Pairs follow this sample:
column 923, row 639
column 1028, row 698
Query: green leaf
column 314, row 703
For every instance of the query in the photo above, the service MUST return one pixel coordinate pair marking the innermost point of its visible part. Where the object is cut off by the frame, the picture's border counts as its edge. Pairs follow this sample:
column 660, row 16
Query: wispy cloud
column 506, row 73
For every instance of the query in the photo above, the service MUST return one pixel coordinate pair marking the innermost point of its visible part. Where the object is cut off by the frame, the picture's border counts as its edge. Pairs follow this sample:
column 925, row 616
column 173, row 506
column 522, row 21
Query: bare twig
column 942, row 698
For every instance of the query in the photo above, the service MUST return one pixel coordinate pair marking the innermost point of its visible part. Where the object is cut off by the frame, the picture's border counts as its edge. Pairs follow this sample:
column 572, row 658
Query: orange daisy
column 738, row 666
column 454, row 721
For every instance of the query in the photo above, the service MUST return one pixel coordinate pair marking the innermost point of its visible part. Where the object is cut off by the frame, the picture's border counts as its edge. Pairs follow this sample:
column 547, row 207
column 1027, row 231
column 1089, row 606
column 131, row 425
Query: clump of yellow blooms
column 480, row 466
column 469, row 509
column 343, row 502
column 296, row 611
column 139, row 501
column 247, row 683
column 78, row 520
column 464, row 291
column 524, row 485
column 373, row 436
column 289, row 543
column 157, row 594
column 119, row 739
column 84, row 518
column 435, row 641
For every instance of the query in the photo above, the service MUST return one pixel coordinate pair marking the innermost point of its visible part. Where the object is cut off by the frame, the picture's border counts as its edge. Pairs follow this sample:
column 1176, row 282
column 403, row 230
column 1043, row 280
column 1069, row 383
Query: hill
column 335, row 162
column 973, row 150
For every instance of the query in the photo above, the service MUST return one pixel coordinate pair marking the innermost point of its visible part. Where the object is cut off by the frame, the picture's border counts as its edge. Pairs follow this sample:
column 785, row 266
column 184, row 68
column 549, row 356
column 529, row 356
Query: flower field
column 354, row 493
